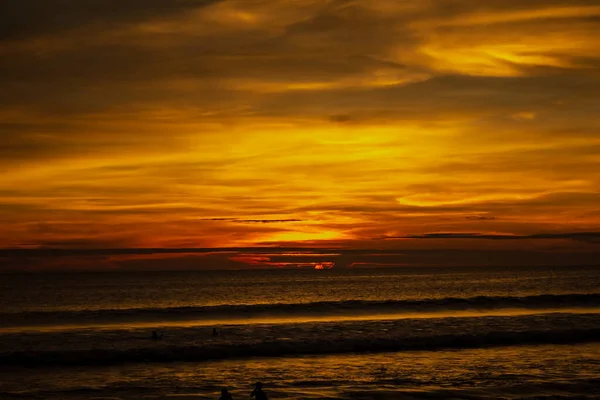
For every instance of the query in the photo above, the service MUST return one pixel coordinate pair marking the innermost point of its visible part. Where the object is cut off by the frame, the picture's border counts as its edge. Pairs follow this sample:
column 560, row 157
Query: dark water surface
column 406, row 333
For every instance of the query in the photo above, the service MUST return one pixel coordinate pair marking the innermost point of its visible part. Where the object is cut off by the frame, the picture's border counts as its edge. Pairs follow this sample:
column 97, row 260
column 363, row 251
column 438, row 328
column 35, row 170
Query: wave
column 279, row 348
column 325, row 308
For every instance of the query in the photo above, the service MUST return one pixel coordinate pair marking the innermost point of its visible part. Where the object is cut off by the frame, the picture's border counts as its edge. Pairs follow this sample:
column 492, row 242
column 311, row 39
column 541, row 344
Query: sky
column 283, row 133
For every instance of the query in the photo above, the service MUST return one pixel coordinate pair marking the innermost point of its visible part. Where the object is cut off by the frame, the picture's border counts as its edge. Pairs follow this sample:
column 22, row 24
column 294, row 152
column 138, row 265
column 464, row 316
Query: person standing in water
column 225, row 395
column 258, row 392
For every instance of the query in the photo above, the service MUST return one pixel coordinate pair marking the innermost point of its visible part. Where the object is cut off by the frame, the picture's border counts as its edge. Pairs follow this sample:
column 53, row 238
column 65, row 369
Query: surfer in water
column 258, row 392
column 225, row 395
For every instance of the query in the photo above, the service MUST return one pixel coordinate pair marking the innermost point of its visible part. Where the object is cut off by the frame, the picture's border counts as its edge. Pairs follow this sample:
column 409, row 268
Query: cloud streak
column 579, row 236
column 253, row 221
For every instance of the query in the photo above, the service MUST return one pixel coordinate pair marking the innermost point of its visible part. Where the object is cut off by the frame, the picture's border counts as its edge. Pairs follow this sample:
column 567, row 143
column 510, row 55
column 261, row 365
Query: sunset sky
column 345, row 132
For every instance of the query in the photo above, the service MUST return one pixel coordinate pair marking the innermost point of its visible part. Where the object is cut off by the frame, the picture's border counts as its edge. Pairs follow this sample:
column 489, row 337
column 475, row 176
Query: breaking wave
column 305, row 346
column 353, row 307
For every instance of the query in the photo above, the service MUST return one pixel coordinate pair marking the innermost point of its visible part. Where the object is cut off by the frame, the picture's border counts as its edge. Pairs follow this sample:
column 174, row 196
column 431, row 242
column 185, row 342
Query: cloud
column 252, row 258
column 253, row 221
column 341, row 118
column 81, row 243
column 480, row 217
column 591, row 237
column 60, row 16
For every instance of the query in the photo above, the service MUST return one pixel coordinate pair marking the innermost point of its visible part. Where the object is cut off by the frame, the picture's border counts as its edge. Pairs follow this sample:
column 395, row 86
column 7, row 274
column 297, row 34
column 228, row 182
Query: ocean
column 406, row 333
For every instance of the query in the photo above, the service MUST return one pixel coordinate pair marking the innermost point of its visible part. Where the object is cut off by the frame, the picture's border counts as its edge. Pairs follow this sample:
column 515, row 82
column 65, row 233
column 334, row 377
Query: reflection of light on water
column 291, row 319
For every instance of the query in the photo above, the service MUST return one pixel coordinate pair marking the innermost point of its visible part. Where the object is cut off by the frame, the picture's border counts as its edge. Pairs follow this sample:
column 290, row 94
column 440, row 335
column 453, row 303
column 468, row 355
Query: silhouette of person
column 258, row 392
column 225, row 395
column 155, row 335
column 215, row 333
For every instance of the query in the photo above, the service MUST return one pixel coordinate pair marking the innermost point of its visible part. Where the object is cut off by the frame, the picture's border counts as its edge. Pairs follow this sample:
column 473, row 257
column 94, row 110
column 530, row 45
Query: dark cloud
column 448, row 8
column 342, row 118
column 591, row 237
column 253, row 221
column 81, row 243
column 267, row 221
column 245, row 258
column 30, row 18
column 62, row 252
column 480, row 217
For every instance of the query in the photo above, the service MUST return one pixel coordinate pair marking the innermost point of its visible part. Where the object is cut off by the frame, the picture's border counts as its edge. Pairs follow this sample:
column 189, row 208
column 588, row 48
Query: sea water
column 456, row 333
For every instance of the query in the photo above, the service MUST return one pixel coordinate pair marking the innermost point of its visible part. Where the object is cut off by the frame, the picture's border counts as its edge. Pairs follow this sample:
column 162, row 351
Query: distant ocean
column 418, row 333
